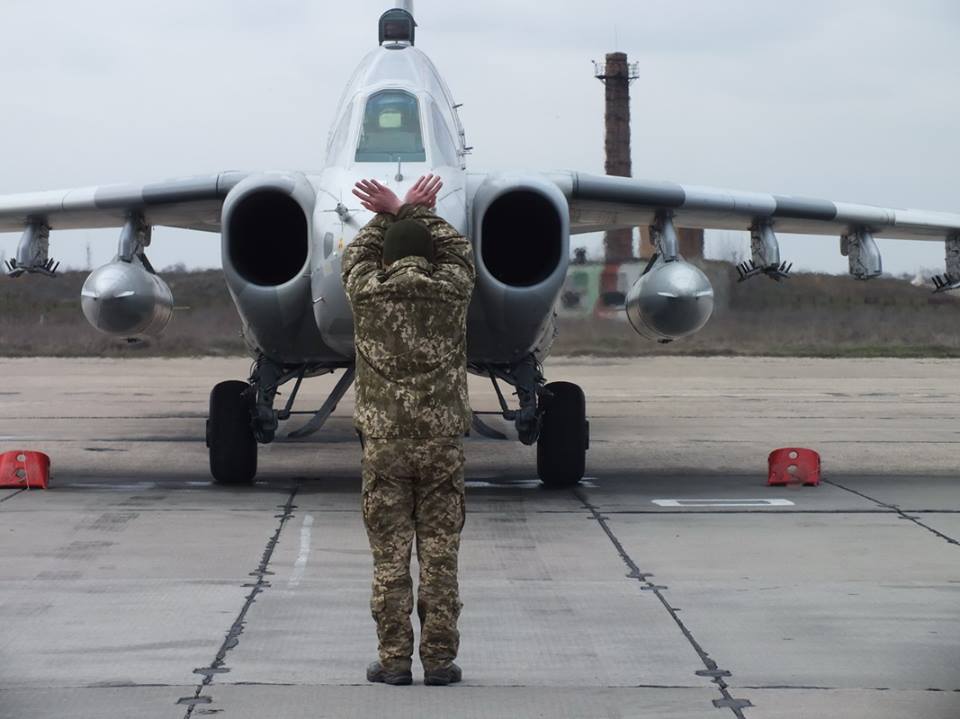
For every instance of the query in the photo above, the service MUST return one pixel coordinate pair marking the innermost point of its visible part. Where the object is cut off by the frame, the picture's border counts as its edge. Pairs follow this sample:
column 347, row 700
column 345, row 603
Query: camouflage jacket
column 410, row 332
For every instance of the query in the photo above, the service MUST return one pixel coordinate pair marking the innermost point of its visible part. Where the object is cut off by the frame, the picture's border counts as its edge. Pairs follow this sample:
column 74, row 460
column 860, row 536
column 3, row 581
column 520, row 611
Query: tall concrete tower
column 616, row 74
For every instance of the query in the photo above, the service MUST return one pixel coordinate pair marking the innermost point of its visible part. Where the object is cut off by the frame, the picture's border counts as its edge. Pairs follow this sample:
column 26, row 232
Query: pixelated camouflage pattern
column 413, row 489
column 410, row 331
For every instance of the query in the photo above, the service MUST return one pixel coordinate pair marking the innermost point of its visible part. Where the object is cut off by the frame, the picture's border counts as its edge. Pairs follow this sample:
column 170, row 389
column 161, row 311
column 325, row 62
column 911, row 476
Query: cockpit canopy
column 391, row 129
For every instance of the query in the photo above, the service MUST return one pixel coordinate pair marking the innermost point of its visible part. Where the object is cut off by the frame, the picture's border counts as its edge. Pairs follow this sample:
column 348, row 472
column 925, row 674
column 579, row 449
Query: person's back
column 410, row 334
column 409, row 277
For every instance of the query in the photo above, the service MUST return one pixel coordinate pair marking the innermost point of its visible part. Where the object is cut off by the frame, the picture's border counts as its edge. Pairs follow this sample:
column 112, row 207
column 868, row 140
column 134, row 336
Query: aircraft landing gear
column 552, row 416
column 242, row 415
column 230, row 437
column 564, row 435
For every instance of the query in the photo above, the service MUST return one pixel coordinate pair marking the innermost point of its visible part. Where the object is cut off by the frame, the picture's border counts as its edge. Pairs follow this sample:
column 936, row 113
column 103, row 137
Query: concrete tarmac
column 672, row 583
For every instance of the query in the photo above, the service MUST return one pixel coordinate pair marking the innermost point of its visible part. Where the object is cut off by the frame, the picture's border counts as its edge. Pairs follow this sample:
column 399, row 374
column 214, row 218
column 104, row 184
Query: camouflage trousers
column 413, row 490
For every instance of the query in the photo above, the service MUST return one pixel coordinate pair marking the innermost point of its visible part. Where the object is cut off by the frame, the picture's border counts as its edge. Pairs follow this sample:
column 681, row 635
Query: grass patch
column 808, row 316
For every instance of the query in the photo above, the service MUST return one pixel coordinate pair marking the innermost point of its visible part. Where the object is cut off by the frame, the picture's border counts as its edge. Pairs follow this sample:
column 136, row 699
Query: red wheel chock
column 793, row 464
column 24, row 470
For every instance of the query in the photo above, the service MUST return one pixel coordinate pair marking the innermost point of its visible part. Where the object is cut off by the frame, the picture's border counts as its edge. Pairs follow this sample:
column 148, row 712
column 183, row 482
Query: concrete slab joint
column 232, row 638
column 712, row 670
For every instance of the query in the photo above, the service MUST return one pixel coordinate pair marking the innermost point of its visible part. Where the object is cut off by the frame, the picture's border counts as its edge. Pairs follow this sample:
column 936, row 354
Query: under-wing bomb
column 671, row 300
column 126, row 300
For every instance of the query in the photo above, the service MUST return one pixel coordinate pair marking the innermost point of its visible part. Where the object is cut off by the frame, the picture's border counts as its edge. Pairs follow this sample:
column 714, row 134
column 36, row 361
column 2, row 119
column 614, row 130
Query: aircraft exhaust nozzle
column 126, row 300
column 670, row 301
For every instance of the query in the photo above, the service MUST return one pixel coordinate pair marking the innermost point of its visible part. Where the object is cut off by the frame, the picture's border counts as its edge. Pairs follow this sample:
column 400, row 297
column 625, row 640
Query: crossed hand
column 379, row 198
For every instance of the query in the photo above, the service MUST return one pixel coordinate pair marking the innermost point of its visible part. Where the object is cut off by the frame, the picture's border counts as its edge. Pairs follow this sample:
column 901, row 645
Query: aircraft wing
column 192, row 203
column 600, row 202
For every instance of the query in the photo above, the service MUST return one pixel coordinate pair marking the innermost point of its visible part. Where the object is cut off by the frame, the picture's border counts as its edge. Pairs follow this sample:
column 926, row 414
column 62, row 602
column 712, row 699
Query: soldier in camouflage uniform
column 409, row 276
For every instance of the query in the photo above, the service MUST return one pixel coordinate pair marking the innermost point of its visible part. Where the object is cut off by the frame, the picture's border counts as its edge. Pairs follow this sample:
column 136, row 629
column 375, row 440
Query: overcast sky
column 853, row 100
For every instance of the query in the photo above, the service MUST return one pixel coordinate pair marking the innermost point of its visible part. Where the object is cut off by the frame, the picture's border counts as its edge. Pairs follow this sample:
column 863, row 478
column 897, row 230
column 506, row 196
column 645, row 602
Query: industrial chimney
column 617, row 73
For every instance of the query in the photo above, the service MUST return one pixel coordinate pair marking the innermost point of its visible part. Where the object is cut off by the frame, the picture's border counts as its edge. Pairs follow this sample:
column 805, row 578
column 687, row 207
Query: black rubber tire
column 233, row 448
column 564, row 436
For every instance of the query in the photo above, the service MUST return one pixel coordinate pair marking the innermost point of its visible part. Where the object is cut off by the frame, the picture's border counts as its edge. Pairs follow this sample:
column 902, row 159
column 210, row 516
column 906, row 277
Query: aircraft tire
column 564, row 436
column 230, row 439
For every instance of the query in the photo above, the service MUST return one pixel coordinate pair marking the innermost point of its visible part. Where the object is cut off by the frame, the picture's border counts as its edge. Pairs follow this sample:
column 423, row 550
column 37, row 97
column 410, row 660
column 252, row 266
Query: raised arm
column 454, row 253
column 363, row 257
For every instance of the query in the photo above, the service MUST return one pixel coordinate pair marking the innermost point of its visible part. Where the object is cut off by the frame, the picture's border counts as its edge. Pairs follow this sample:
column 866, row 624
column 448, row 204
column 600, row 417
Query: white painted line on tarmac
column 519, row 483
column 300, row 566
column 712, row 503
column 119, row 487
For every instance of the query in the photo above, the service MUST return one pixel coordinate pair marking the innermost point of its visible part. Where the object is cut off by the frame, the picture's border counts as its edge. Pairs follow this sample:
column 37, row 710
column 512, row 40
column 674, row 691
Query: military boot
column 378, row 674
column 441, row 676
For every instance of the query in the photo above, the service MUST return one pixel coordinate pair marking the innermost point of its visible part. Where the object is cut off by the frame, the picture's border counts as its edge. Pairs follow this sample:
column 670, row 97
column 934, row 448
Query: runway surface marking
column 13, row 494
column 712, row 669
column 300, row 566
column 494, row 483
column 901, row 512
column 831, row 607
column 699, row 503
column 232, row 639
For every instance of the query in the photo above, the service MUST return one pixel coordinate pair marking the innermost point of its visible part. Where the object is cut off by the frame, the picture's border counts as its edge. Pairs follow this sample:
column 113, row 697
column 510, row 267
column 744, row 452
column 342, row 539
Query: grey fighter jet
column 283, row 235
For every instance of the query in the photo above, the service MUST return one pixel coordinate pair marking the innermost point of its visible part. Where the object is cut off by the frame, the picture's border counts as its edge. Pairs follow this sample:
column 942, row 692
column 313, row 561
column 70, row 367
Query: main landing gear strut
column 242, row 415
column 553, row 416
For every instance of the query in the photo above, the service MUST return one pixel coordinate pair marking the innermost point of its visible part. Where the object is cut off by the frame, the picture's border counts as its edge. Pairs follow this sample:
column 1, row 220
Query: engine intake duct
column 266, row 229
column 522, row 242
column 269, row 241
column 522, row 233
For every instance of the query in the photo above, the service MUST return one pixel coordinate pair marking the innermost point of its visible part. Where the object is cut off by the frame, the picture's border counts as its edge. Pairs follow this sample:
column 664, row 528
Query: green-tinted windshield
column 391, row 129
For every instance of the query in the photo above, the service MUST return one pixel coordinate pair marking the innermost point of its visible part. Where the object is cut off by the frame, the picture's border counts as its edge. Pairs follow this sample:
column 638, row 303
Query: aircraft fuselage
column 400, row 87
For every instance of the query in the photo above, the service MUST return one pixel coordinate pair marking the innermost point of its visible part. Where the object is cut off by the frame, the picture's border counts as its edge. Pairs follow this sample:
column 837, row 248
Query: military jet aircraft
column 283, row 235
